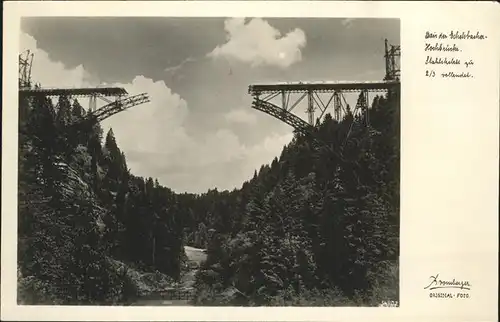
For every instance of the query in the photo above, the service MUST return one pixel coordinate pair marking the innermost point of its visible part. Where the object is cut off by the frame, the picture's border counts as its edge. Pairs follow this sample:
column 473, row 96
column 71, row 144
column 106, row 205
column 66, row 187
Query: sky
column 198, row 131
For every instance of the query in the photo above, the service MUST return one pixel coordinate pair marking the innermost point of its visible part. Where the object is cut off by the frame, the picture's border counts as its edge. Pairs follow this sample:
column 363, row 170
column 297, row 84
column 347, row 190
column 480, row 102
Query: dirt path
column 195, row 257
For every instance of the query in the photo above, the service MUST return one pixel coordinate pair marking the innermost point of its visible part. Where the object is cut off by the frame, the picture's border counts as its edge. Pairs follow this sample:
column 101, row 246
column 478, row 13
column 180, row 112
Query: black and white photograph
column 209, row 161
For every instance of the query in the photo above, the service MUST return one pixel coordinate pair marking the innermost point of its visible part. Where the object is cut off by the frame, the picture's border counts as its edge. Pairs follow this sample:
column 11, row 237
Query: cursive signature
column 438, row 283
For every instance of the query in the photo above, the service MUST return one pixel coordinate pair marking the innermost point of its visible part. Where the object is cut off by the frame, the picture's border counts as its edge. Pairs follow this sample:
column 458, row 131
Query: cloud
column 154, row 138
column 174, row 69
column 258, row 43
column 157, row 144
column 154, row 126
column 347, row 22
column 220, row 160
column 240, row 116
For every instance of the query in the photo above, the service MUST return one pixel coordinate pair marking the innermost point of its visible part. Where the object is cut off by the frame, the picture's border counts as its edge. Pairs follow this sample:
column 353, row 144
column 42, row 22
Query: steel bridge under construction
column 116, row 99
column 264, row 94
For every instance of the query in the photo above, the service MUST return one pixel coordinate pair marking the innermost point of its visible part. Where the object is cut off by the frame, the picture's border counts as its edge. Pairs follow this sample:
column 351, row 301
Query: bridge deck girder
column 103, row 91
column 326, row 86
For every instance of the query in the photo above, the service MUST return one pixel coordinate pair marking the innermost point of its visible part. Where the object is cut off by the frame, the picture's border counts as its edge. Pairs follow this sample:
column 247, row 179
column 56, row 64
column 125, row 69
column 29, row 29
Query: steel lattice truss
column 120, row 102
column 74, row 92
column 392, row 61
column 333, row 99
column 279, row 113
column 91, row 92
column 323, row 86
column 118, row 106
column 25, row 62
column 331, row 91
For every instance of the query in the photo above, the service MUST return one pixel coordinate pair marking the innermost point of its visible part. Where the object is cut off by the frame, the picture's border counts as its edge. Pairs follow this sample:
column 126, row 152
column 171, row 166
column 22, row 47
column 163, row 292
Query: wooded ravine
column 317, row 226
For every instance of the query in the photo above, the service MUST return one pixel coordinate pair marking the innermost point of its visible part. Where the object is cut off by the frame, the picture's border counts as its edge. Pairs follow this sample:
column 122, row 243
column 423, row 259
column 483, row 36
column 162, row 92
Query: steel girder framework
column 78, row 92
column 392, row 61
column 118, row 106
column 334, row 90
column 91, row 92
column 323, row 86
column 335, row 98
column 25, row 62
column 120, row 102
column 29, row 90
column 281, row 114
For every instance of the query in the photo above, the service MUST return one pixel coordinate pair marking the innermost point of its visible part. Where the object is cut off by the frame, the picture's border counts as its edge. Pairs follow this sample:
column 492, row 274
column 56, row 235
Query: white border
column 449, row 215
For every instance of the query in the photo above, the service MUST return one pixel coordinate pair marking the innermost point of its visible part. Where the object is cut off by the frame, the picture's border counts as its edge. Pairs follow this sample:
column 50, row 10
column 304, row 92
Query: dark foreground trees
column 319, row 225
column 80, row 209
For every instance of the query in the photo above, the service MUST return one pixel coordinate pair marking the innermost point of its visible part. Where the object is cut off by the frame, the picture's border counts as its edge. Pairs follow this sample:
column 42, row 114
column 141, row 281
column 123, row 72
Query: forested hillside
column 82, row 214
column 319, row 225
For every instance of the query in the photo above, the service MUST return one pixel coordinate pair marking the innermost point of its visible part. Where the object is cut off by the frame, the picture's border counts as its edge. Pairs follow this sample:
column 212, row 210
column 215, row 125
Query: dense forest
column 81, row 212
column 319, row 225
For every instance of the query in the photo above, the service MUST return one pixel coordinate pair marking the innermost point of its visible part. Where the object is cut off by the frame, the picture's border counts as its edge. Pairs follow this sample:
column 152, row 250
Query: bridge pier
column 310, row 107
column 92, row 103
